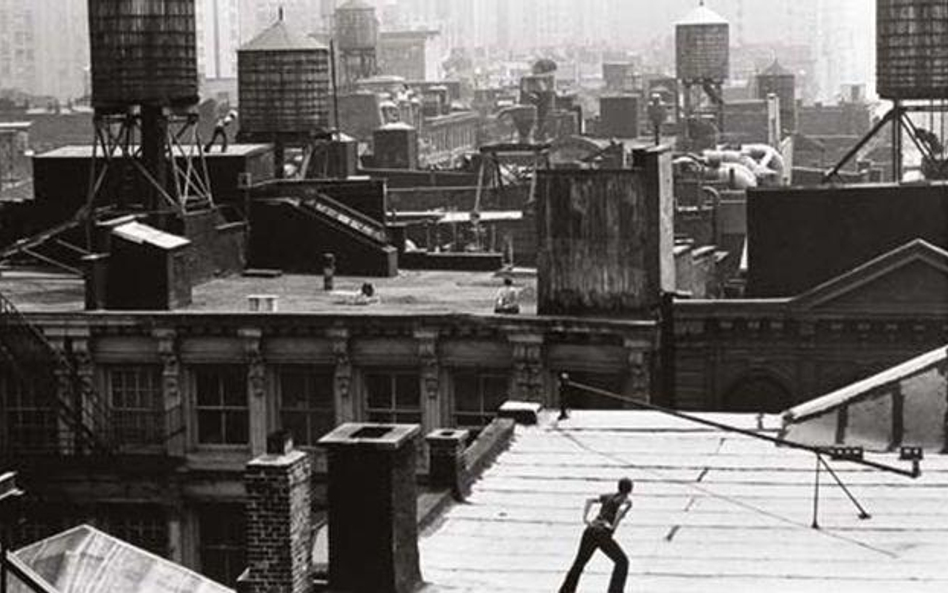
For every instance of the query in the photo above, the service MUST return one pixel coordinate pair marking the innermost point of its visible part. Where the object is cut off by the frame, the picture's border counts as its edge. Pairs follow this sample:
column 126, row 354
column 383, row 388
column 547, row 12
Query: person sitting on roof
column 598, row 535
column 508, row 299
column 220, row 131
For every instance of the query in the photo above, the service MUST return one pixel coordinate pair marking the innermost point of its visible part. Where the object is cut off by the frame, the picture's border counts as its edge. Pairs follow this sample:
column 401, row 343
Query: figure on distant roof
column 508, row 299
column 598, row 535
column 220, row 131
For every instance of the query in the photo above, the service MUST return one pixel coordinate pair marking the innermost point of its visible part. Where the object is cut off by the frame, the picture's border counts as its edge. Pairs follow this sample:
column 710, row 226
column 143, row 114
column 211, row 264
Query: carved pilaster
column 639, row 369
column 339, row 338
column 430, row 372
column 528, row 367
column 175, row 425
column 257, row 389
column 256, row 366
column 428, row 355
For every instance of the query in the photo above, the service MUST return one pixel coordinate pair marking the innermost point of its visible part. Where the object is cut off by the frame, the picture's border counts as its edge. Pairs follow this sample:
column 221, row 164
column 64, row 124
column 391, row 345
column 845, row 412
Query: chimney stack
column 373, row 523
column 279, row 522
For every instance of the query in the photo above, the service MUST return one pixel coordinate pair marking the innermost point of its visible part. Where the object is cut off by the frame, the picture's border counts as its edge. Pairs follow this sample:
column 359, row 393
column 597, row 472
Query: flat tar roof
column 411, row 293
column 712, row 512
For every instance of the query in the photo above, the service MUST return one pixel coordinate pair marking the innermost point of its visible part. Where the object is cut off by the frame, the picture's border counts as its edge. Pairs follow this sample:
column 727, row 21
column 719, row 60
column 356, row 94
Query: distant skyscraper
column 218, row 31
column 44, row 47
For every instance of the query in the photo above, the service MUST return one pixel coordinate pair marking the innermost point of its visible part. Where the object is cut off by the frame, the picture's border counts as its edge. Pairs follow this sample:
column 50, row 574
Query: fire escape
column 49, row 409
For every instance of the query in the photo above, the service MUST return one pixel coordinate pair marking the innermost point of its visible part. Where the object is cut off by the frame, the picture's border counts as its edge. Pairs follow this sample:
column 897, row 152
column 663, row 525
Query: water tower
column 145, row 93
column 702, row 60
column 284, row 84
column 912, row 73
column 777, row 80
column 357, row 40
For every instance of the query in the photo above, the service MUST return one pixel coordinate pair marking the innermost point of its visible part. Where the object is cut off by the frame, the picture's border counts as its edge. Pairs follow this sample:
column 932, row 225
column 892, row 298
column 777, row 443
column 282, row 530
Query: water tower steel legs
column 154, row 148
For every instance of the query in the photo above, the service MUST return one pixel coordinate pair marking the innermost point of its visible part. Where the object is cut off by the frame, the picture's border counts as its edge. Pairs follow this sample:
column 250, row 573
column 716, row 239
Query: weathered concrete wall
column 605, row 239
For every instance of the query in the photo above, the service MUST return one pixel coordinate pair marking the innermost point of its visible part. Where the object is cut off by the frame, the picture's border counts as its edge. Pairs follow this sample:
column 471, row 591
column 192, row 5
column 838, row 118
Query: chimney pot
column 373, row 519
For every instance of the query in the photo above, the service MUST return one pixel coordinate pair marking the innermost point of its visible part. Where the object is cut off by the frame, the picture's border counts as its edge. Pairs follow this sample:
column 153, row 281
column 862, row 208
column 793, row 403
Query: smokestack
column 279, row 522
column 373, row 524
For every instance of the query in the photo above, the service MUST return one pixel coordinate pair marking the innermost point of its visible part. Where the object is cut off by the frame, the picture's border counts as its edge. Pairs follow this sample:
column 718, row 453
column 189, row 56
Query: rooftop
column 85, row 151
column 410, row 293
column 712, row 512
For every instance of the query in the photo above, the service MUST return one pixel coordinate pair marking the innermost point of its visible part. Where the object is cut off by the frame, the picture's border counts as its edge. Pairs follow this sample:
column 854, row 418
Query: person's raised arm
column 589, row 504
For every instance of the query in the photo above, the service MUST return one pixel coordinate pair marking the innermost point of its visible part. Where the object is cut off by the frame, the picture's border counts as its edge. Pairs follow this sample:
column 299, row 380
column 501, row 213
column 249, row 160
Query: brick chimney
column 279, row 523
column 373, row 524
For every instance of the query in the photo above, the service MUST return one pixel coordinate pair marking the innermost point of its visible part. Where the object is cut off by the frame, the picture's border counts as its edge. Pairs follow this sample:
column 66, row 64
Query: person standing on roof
column 508, row 299
column 598, row 535
column 220, row 131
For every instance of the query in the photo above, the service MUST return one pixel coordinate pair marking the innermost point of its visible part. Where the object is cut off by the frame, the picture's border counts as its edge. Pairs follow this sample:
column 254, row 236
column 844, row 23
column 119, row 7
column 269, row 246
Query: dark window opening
column 307, row 407
column 222, row 414
column 393, row 397
column 223, row 542
column 478, row 396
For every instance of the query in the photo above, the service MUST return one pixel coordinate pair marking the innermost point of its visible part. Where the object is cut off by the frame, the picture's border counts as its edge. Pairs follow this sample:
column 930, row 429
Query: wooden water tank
column 702, row 46
column 284, row 83
column 357, row 28
column 779, row 81
column 912, row 49
column 144, row 52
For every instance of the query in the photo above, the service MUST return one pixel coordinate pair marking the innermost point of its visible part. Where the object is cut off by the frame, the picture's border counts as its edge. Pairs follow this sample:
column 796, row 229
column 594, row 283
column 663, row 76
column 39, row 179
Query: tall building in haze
column 44, row 47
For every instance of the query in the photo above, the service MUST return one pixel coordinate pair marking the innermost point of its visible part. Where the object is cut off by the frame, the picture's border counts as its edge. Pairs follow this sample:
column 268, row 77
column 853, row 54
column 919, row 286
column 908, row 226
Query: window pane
column 208, row 388
column 235, row 387
column 495, row 392
column 379, row 389
column 210, row 430
column 381, row 417
column 237, row 429
column 413, row 418
column 407, row 393
column 293, row 390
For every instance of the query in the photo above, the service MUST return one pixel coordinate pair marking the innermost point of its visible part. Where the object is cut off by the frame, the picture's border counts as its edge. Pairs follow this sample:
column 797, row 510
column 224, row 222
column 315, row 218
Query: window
column 583, row 400
column 394, row 397
column 477, row 397
column 30, row 412
column 223, row 542
column 141, row 525
column 222, row 415
column 137, row 405
column 306, row 403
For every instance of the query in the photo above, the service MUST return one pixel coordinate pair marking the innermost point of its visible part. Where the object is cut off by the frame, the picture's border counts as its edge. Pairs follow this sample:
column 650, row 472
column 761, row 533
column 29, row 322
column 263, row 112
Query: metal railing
column 38, row 370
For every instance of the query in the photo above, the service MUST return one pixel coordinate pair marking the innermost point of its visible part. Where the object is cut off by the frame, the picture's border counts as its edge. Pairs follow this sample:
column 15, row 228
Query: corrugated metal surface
column 144, row 52
column 283, row 91
column 912, row 45
column 593, row 242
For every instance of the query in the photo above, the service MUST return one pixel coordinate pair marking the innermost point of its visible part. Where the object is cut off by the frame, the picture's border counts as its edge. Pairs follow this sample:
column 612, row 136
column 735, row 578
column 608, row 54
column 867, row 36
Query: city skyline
column 36, row 59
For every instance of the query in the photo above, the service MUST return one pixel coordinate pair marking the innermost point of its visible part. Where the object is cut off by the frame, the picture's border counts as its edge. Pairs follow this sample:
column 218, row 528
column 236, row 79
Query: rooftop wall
column 800, row 238
column 605, row 238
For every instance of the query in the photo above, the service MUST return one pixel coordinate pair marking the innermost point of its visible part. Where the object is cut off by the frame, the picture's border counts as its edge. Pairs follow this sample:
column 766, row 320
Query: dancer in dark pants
column 598, row 535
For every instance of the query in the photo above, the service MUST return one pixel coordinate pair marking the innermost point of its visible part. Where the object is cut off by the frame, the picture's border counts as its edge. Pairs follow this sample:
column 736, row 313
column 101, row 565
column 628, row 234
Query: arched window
column 758, row 393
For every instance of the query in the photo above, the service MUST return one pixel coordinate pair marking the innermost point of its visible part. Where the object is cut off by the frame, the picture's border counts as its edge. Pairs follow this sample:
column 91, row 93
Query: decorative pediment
column 910, row 279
